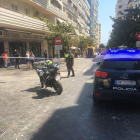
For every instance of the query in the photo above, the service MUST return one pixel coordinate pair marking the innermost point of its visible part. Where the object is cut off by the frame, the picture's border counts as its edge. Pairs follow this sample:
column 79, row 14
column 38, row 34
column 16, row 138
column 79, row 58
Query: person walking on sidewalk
column 27, row 60
column 17, row 59
column 5, row 58
column 14, row 55
column 32, row 56
column 45, row 55
column 70, row 63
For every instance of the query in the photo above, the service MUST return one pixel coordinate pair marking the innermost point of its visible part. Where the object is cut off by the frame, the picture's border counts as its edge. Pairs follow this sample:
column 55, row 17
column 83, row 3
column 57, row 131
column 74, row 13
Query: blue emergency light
column 126, row 51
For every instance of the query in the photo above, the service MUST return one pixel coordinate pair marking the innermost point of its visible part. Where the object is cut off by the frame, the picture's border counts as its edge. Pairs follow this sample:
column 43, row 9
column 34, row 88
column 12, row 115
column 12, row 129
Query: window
column 120, row 6
column 0, row 32
column 26, row 11
column 14, row 7
column 121, row 64
column 37, row 13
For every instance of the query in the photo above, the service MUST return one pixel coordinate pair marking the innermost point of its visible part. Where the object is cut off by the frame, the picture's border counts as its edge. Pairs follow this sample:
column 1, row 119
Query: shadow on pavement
column 85, row 121
column 92, row 69
column 41, row 93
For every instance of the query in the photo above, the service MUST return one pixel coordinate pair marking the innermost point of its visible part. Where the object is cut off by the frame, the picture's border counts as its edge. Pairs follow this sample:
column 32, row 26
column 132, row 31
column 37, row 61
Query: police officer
column 70, row 62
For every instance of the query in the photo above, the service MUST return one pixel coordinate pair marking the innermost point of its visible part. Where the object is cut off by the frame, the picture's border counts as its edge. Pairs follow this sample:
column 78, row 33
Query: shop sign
column 27, row 36
column 11, row 35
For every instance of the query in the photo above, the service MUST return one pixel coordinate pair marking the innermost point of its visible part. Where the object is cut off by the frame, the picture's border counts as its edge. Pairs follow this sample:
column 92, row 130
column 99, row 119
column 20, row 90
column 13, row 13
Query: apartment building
column 99, row 35
column 19, row 30
column 120, row 7
column 94, row 19
column 134, row 3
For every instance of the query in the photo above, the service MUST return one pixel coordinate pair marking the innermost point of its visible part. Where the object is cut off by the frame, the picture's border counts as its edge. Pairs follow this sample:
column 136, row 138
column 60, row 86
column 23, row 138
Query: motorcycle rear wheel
column 58, row 87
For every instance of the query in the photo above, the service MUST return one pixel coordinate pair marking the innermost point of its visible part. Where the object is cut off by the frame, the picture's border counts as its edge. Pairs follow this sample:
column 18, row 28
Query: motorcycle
column 49, row 77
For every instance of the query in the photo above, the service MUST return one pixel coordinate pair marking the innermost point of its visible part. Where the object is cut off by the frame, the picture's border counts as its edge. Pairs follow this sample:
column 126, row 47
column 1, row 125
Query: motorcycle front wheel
column 58, row 87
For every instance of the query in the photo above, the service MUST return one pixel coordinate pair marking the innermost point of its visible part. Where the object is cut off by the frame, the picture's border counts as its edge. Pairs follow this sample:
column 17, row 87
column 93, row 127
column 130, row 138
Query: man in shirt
column 5, row 58
column 70, row 63
column 45, row 55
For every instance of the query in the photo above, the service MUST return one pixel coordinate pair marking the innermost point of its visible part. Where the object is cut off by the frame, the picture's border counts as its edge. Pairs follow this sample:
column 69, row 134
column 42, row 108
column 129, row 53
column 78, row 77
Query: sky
column 105, row 10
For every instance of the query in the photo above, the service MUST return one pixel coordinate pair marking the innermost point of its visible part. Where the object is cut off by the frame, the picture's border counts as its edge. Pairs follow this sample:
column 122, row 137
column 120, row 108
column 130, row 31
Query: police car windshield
column 117, row 64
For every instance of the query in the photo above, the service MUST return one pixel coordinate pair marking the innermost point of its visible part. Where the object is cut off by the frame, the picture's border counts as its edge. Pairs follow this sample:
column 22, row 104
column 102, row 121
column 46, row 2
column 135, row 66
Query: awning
column 60, row 20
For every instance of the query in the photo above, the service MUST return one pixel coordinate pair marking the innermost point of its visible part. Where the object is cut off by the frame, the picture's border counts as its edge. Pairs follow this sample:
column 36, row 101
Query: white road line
column 85, row 69
column 94, row 69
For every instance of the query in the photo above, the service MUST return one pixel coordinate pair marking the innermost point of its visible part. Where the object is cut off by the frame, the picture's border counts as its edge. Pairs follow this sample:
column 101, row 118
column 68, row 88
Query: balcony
column 45, row 7
column 72, row 10
column 11, row 19
column 81, row 20
column 72, row 22
column 42, row 3
column 56, row 11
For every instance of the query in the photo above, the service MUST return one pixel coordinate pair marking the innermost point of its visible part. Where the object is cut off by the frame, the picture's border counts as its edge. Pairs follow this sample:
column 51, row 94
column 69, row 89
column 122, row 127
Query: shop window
column 14, row 7
column 35, row 48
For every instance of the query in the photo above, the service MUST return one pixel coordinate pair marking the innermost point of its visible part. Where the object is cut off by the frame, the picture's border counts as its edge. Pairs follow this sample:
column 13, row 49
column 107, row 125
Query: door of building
column 1, row 52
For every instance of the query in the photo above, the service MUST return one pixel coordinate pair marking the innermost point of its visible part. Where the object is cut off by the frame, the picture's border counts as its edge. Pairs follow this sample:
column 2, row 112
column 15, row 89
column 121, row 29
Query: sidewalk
column 12, row 73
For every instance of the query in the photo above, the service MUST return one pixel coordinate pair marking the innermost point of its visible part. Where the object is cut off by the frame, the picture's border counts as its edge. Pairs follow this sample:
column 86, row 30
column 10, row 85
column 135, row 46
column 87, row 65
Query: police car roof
column 122, row 54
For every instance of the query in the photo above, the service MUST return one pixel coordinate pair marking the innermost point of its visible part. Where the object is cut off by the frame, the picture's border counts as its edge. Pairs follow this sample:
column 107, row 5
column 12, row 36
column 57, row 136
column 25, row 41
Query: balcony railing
column 42, row 3
column 72, row 22
column 81, row 20
column 53, row 9
column 72, row 10
column 14, row 19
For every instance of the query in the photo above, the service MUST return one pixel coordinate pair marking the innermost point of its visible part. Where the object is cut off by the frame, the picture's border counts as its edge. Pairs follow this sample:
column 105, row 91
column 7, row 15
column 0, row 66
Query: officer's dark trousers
column 70, row 68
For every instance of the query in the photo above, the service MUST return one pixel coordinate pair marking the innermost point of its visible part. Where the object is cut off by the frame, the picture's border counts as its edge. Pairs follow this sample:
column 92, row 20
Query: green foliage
column 102, row 46
column 61, row 30
column 125, row 30
column 85, row 41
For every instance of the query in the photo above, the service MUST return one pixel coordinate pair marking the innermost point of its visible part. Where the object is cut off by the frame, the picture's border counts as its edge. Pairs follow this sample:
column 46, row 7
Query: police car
column 118, row 76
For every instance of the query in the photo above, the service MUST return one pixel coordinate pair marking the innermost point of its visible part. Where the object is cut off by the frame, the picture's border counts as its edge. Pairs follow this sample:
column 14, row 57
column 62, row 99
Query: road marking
column 94, row 69
column 85, row 69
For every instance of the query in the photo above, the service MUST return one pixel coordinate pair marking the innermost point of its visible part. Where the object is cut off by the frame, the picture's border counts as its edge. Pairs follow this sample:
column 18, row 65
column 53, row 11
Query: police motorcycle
column 49, row 73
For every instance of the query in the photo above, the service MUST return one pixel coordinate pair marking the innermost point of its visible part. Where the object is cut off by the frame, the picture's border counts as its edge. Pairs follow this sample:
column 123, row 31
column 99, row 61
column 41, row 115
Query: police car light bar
column 128, row 51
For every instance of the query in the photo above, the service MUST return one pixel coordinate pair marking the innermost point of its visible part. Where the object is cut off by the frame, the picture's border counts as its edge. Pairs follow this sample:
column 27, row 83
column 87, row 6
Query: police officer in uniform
column 70, row 62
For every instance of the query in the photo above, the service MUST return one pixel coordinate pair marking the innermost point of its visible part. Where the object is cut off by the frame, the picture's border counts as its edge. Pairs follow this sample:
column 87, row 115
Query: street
column 28, row 112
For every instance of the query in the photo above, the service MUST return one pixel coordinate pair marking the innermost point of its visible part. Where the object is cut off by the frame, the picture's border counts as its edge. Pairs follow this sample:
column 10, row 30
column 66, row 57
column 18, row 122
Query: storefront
column 9, row 41
column 1, row 52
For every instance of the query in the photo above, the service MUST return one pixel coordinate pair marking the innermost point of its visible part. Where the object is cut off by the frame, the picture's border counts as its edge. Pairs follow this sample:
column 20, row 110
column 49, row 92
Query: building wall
column 120, row 7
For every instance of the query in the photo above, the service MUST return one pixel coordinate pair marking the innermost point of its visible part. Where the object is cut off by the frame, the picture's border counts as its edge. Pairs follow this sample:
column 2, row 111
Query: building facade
column 20, row 30
column 99, row 35
column 120, row 7
column 94, row 19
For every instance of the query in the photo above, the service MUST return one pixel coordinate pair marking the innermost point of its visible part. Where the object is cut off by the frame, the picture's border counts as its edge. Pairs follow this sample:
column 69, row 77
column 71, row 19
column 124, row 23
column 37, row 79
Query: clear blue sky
column 105, row 10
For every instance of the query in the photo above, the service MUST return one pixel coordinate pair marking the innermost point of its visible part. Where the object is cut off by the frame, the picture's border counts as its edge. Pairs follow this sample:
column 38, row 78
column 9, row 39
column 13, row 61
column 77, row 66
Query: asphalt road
column 30, row 113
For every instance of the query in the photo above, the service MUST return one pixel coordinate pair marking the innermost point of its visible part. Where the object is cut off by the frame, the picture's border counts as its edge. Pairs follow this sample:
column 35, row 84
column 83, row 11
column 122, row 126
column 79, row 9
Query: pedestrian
column 70, row 63
column 17, row 59
column 15, row 54
column 45, row 55
column 27, row 60
column 5, row 58
column 75, row 53
column 32, row 56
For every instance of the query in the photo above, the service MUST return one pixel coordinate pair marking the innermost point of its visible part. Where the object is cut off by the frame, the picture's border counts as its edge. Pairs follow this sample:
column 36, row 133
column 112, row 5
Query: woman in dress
column 27, row 60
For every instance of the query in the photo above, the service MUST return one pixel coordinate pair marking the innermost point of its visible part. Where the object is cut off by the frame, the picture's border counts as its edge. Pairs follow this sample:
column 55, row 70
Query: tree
column 102, row 46
column 62, row 30
column 85, row 41
column 125, row 30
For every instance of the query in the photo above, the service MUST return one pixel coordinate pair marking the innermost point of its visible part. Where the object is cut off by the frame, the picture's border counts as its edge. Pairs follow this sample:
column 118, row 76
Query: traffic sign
column 138, row 36
column 138, row 44
column 58, row 41
column 58, row 47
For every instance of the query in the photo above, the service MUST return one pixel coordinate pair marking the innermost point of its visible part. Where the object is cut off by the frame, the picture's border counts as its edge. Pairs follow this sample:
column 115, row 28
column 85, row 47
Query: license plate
column 125, row 82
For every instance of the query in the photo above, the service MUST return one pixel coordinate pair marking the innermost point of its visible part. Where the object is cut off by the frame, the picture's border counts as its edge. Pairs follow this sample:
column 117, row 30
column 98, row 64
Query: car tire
column 96, row 101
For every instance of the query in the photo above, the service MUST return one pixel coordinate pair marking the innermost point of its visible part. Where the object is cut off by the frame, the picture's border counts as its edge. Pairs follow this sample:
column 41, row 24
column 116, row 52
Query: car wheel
column 95, row 99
